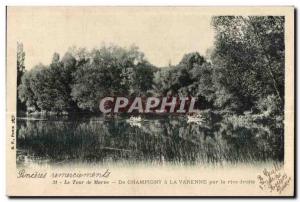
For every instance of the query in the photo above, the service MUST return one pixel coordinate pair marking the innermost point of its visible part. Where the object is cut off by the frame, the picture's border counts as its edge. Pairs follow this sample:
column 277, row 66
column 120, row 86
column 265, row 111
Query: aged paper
column 150, row 101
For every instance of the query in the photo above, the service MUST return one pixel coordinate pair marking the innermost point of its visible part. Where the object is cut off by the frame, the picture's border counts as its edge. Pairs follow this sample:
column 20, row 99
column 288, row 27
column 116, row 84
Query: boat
column 135, row 121
column 195, row 118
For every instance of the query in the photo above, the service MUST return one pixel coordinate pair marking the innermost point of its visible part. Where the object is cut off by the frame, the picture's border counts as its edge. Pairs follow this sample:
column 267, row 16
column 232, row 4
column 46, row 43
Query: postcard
column 150, row 101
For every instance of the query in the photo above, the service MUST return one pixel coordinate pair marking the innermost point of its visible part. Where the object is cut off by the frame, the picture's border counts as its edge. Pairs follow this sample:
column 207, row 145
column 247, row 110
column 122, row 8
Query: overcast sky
column 162, row 34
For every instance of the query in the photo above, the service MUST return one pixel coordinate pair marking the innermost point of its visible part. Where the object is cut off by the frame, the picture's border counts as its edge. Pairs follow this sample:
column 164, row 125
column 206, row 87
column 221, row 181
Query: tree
column 20, row 73
column 20, row 62
column 249, row 58
column 141, row 78
column 192, row 59
column 191, row 77
column 28, row 88
column 111, row 71
column 49, row 88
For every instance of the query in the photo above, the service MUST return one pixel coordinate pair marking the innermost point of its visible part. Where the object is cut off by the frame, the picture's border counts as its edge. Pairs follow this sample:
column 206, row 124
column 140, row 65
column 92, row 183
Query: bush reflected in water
column 156, row 140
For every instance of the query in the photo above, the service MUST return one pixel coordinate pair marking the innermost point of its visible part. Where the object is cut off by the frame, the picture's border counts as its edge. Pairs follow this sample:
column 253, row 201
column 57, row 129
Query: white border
column 5, row 3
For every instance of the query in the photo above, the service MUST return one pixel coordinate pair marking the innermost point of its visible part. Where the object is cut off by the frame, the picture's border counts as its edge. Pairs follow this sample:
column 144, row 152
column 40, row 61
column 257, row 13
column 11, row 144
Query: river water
column 154, row 140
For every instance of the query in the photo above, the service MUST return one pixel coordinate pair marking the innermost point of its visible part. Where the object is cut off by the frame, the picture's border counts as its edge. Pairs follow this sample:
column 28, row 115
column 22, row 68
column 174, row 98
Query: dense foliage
column 245, row 72
column 249, row 61
column 20, row 72
column 81, row 78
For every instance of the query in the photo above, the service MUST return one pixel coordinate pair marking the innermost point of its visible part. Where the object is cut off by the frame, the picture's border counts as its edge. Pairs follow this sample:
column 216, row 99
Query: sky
column 163, row 34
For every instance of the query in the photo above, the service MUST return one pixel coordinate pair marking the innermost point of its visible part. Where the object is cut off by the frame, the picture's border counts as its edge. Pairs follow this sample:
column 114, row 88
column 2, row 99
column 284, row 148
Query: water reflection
column 155, row 140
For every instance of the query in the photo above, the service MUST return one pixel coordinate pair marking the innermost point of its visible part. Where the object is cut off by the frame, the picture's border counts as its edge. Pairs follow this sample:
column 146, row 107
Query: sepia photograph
column 203, row 97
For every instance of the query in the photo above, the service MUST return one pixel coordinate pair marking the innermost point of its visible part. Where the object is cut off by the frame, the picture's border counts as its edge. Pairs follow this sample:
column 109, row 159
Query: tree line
column 243, row 72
